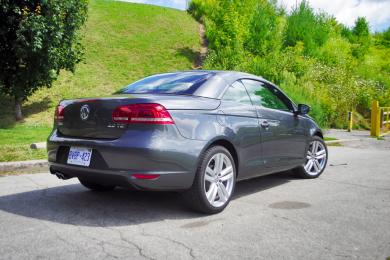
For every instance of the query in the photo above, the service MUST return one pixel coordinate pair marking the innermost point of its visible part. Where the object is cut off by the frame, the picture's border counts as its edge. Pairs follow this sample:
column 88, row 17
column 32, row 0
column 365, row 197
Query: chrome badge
column 84, row 112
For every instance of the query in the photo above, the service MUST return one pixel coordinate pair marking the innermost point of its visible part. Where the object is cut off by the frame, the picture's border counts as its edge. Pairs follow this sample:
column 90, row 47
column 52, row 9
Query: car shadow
column 73, row 204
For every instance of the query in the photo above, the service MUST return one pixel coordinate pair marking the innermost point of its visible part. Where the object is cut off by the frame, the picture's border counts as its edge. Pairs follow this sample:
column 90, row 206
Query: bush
column 314, row 59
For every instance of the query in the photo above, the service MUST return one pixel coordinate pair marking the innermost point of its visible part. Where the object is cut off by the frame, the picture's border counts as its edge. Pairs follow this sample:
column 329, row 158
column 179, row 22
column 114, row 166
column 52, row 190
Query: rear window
column 169, row 83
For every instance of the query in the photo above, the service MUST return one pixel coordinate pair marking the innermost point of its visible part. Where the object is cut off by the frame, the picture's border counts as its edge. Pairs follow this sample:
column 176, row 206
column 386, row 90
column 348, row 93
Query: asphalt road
column 343, row 214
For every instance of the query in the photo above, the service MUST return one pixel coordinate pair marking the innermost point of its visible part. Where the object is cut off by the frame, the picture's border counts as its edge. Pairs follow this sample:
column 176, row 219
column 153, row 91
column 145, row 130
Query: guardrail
column 380, row 119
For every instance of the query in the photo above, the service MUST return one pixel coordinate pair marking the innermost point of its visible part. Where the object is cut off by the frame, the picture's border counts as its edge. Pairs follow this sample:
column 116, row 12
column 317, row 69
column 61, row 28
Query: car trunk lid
column 93, row 118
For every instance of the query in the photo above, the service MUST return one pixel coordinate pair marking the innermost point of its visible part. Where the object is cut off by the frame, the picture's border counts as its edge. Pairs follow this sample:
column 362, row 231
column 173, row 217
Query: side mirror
column 303, row 109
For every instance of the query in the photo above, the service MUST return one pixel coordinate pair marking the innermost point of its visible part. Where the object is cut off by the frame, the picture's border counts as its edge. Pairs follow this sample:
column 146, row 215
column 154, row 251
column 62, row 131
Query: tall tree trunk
column 18, row 109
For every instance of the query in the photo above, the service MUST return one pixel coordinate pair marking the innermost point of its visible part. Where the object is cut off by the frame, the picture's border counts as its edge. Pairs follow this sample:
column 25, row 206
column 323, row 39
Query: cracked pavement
column 344, row 214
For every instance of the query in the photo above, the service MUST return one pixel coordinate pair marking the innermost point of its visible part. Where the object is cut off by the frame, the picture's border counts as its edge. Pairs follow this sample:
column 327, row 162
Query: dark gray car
column 192, row 131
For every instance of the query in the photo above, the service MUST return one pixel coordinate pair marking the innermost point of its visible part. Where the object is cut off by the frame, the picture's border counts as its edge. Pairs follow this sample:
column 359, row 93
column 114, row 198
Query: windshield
column 169, row 83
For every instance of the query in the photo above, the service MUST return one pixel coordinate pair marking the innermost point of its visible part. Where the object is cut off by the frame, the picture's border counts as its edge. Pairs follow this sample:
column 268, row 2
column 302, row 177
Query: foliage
column 303, row 25
column 361, row 38
column 38, row 39
column 384, row 38
column 312, row 57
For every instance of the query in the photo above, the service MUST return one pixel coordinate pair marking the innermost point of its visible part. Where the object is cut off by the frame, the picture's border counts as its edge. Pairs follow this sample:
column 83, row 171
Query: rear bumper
column 166, row 180
column 167, row 154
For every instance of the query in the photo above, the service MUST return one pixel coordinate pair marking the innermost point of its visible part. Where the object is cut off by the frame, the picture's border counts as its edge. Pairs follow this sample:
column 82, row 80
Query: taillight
column 59, row 114
column 142, row 113
column 145, row 176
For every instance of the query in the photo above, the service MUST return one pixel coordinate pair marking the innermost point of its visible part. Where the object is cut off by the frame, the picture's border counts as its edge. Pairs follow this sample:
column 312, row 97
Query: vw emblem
column 84, row 112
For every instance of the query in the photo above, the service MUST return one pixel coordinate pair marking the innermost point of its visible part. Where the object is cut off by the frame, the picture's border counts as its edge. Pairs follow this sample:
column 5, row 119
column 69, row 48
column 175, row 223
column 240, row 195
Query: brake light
column 142, row 113
column 59, row 114
column 145, row 176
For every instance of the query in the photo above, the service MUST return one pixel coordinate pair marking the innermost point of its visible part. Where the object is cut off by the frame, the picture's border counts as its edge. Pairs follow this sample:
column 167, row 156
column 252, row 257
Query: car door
column 240, row 121
column 283, row 134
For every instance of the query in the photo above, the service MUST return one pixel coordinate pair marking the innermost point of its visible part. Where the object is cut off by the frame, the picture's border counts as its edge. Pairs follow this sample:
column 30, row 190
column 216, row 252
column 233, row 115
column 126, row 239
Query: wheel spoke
column 219, row 163
column 209, row 176
column 309, row 165
column 222, row 192
column 317, row 166
column 227, row 176
column 314, row 147
column 320, row 154
column 212, row 192
column 226, row 171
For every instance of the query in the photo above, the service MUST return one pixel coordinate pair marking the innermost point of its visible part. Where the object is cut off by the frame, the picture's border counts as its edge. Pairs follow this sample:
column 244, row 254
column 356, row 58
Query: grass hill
column 123, row 42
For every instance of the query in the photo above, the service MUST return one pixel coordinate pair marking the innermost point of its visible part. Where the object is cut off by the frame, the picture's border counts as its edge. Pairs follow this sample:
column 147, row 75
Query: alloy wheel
column 219, row 179
column 315, row 158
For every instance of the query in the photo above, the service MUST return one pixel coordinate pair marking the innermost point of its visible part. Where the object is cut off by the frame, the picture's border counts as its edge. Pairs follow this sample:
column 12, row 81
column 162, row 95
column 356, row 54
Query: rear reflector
column 145, row 176
column 142, row 113
column 59, row 114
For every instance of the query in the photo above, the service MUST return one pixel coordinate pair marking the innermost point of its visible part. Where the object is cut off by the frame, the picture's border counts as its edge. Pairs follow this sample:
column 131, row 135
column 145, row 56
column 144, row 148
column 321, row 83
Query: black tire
column 95, row 186
column 301, row 172
column 195, row 197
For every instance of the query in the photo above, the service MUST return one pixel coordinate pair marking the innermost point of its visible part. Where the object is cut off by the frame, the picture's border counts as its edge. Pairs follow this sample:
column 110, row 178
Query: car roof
column 216, row 81
column 215, row 86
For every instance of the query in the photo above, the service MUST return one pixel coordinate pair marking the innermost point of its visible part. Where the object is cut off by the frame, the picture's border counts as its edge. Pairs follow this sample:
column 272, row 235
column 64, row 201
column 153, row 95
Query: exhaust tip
column 59, row 175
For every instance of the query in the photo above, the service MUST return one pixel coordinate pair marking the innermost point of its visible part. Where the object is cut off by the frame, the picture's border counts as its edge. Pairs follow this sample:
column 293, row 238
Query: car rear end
column 122, row 141
column 134, row 138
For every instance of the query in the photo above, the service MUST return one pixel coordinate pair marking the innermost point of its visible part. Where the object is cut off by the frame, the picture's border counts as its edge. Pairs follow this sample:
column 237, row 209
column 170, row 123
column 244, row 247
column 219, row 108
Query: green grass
column 124, row 42
column 20, row 152
column 328, row 138
column 21, row 134
column 15, row 142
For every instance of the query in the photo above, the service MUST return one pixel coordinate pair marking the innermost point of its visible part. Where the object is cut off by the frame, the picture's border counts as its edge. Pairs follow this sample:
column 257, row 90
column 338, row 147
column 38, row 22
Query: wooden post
column 375, row 119
column 350, row 121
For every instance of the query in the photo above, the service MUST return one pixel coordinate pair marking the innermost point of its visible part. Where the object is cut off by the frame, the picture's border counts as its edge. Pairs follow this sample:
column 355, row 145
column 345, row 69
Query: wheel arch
column 229, row 146
column 319, row 134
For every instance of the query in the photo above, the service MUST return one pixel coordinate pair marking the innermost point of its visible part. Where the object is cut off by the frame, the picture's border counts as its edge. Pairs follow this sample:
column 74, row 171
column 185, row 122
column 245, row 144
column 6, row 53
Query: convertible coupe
column 198, row 132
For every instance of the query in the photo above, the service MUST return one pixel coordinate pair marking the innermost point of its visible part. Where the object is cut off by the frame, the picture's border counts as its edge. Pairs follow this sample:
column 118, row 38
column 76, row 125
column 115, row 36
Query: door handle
column 264, row 124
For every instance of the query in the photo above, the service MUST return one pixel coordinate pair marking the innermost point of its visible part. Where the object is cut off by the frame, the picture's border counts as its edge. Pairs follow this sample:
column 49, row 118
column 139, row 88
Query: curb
column 342, row 141
column 41, row 145
column 20, row 165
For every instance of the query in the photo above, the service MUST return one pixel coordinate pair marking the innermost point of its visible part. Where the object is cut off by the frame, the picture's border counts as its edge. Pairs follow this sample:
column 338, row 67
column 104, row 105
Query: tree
column 303, row 25
column 384, row 38
column 38, row 38
column 361, row 37
column 263, row 36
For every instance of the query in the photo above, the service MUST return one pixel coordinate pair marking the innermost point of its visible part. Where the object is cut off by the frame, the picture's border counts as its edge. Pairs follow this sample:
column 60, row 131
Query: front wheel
column 214, row 181
column 316, row 159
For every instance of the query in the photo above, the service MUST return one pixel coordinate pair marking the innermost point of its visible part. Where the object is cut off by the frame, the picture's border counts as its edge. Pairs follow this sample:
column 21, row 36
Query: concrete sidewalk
column 360, row 139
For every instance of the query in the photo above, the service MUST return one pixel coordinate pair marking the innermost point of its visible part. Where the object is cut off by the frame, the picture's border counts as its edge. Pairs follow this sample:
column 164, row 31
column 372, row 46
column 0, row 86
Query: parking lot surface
column 344, row 214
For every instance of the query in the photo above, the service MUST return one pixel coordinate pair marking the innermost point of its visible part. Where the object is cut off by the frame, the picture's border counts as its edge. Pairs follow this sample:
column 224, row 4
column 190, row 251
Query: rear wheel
column 214, row 181
column 95, row 186
column 316, row 159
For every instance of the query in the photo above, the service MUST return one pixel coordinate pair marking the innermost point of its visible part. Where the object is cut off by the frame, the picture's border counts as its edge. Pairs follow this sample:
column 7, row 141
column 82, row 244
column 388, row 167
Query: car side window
column 264, row 96
column 237, row 92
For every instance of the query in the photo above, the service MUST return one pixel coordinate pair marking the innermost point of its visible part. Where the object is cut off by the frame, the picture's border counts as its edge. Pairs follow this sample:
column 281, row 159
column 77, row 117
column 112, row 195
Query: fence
column 380, row 119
